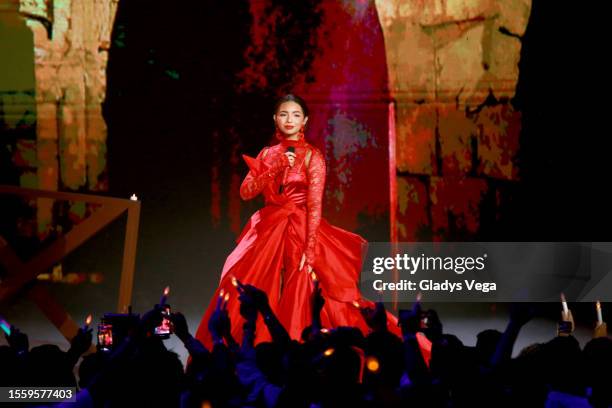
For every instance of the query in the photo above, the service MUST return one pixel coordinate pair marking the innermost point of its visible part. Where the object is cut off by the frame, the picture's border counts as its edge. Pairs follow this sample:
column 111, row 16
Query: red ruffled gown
column 271, row 245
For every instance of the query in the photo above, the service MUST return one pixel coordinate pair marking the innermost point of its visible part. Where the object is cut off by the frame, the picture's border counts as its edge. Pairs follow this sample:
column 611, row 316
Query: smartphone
column 164, row 330
column 105, row 336
column 5, row 326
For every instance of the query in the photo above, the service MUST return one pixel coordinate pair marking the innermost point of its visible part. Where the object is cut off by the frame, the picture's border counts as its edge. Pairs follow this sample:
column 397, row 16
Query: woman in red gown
column 287, row 239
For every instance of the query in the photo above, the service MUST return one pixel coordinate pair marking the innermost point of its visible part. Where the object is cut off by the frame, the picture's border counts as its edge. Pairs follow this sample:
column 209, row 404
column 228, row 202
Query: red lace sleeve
column 262, row 173
column 316, row 185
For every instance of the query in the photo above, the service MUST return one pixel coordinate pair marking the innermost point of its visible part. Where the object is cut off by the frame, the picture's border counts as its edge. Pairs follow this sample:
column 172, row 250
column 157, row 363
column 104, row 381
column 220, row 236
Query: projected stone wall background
column 53, row 81
column 453, row 70
column 449, row 66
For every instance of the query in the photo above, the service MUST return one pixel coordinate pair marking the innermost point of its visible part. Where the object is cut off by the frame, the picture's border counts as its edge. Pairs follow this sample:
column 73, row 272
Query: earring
column 301, row 132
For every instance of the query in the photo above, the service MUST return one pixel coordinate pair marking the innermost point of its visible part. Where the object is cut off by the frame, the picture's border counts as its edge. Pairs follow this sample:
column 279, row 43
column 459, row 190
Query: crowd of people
column 327, row 367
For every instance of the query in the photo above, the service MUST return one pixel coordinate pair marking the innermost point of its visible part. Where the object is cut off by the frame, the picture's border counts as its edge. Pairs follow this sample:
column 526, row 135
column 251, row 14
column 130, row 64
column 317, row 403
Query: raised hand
column 433, row 330
column 180, row 326
column 219, row 324
column 82, row 341
column 601, row 330
column 410, row 320
column 566, row 326
column 375, row 318
column 18, row 340
column 520, row 314
column 318, row 301
column 151, row 319
column 79, row 344
column 248, row 307
column 258, row 296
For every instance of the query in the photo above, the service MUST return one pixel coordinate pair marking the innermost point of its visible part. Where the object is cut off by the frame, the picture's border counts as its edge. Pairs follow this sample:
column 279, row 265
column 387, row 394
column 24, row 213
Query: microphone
column 290, row 149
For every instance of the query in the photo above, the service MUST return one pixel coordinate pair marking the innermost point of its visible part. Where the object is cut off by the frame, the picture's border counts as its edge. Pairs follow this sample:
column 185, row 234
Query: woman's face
column 289, row 118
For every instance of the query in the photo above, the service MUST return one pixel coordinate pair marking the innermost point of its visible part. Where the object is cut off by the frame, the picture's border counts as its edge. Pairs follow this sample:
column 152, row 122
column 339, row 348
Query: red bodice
column 302, row 184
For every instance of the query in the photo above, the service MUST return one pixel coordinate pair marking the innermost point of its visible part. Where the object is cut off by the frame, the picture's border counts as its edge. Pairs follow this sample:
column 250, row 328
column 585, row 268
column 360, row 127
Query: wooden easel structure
column 20, row 273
